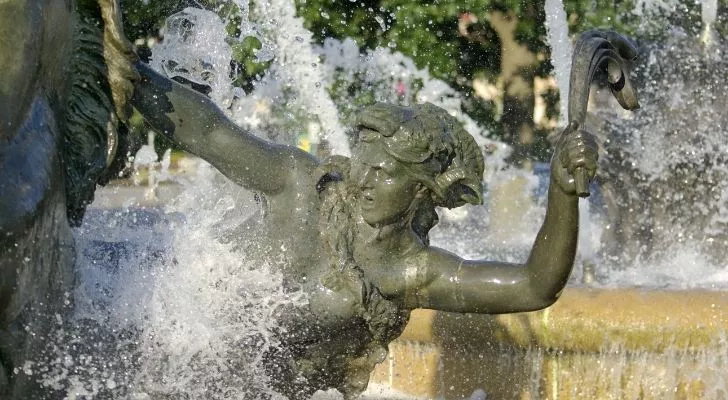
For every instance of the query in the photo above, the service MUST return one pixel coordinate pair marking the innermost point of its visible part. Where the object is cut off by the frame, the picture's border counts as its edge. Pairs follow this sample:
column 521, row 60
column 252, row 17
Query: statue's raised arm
column 195, row 123
column 449, row 283
column 421, row 147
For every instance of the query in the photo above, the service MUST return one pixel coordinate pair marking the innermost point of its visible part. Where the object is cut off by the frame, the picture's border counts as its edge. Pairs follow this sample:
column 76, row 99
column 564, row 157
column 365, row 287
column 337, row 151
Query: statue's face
column 386, row 190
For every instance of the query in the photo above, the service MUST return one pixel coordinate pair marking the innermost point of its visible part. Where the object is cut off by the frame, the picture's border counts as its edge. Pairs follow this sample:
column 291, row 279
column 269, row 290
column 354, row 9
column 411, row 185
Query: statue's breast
column 337, row 300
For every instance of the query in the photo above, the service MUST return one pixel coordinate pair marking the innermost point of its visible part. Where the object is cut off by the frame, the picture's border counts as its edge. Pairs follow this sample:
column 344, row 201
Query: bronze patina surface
column 354, row 231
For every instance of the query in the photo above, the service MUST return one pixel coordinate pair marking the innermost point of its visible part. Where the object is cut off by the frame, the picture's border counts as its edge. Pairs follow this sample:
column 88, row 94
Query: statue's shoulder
column 332, row 169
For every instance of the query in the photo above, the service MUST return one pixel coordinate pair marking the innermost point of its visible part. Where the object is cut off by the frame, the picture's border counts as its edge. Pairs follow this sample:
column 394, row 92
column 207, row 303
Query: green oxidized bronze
column 355, row 231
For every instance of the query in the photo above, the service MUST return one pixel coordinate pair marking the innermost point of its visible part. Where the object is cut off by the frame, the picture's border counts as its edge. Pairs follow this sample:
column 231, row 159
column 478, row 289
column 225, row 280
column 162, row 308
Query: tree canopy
column 456, row 41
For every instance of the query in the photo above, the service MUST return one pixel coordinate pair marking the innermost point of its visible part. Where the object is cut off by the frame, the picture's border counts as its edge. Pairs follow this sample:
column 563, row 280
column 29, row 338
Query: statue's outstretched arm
column 472, row 286
column 453, row 284
column 197, row 125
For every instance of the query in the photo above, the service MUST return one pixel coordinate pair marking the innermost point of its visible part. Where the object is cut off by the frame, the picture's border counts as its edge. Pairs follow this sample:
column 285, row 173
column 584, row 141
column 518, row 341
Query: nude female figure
column 354, row 232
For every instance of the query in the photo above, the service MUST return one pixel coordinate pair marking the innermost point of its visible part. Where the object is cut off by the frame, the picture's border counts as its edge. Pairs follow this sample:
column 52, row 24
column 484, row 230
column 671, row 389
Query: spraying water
column 165, row 306
column 196, row 48
column 179, row 302
column 709, row 11
column 168, row 304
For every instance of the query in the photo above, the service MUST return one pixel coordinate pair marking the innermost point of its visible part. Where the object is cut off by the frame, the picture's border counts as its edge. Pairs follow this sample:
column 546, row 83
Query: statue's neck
column 382, row 245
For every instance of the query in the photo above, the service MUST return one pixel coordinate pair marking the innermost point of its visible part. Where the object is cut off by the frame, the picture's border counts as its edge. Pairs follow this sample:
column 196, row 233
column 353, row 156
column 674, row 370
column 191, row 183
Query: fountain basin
column 593, row 343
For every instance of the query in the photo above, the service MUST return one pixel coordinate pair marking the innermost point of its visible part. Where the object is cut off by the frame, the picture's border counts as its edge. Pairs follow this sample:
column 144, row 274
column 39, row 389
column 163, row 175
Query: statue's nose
column 366, row 179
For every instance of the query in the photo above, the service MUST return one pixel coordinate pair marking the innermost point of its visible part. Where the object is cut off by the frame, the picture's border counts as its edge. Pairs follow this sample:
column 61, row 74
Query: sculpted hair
column 95, row 143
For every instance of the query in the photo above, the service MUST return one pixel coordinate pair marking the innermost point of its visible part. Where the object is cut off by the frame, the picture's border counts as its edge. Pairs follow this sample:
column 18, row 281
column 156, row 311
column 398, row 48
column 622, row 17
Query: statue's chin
column 389, row 223
column 375, row 221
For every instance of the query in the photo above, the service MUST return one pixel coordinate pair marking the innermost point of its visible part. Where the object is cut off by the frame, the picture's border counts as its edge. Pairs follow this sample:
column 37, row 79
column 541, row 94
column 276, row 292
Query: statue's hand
column 575, row 157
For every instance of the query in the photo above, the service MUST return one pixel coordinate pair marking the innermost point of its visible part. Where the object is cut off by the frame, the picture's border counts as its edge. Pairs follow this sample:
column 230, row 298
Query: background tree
column 493, row 52
column 496, row 43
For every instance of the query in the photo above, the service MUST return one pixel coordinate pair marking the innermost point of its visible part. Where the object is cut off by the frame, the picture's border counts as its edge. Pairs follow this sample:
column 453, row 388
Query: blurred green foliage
column 428, row 32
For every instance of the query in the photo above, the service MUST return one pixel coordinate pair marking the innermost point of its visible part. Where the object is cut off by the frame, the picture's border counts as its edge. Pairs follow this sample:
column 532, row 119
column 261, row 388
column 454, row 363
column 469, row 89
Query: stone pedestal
column 592, row 344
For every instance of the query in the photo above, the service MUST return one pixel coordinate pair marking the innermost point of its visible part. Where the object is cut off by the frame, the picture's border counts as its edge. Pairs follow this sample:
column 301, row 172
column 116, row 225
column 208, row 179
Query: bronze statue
column 354, row 232
column 66, row 74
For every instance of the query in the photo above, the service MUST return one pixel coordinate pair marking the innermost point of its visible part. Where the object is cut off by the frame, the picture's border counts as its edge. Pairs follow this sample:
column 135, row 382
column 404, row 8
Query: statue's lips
column 367, row 201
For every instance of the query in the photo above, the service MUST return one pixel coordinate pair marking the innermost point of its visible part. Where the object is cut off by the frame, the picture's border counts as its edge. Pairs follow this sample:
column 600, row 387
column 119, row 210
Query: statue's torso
column 342, row 332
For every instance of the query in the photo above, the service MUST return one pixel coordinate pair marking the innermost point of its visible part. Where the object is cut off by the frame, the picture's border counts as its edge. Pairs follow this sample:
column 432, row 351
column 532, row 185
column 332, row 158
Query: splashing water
column 176, row 307
column 670, row 157
column 299, row 78
column 196, row 48
column 709, row 11
column 663, row 171
column 166, row 305
column 206, row 59
column 212, row 314
column 298, row 67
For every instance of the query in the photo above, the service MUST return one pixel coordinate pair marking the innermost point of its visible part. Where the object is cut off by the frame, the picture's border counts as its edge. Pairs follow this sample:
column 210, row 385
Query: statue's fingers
column 573, row 147
column 589, row 162
column 583, row 136
column 575, row 162
column 582, row 149
column 582, row 157
column 582, row 141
